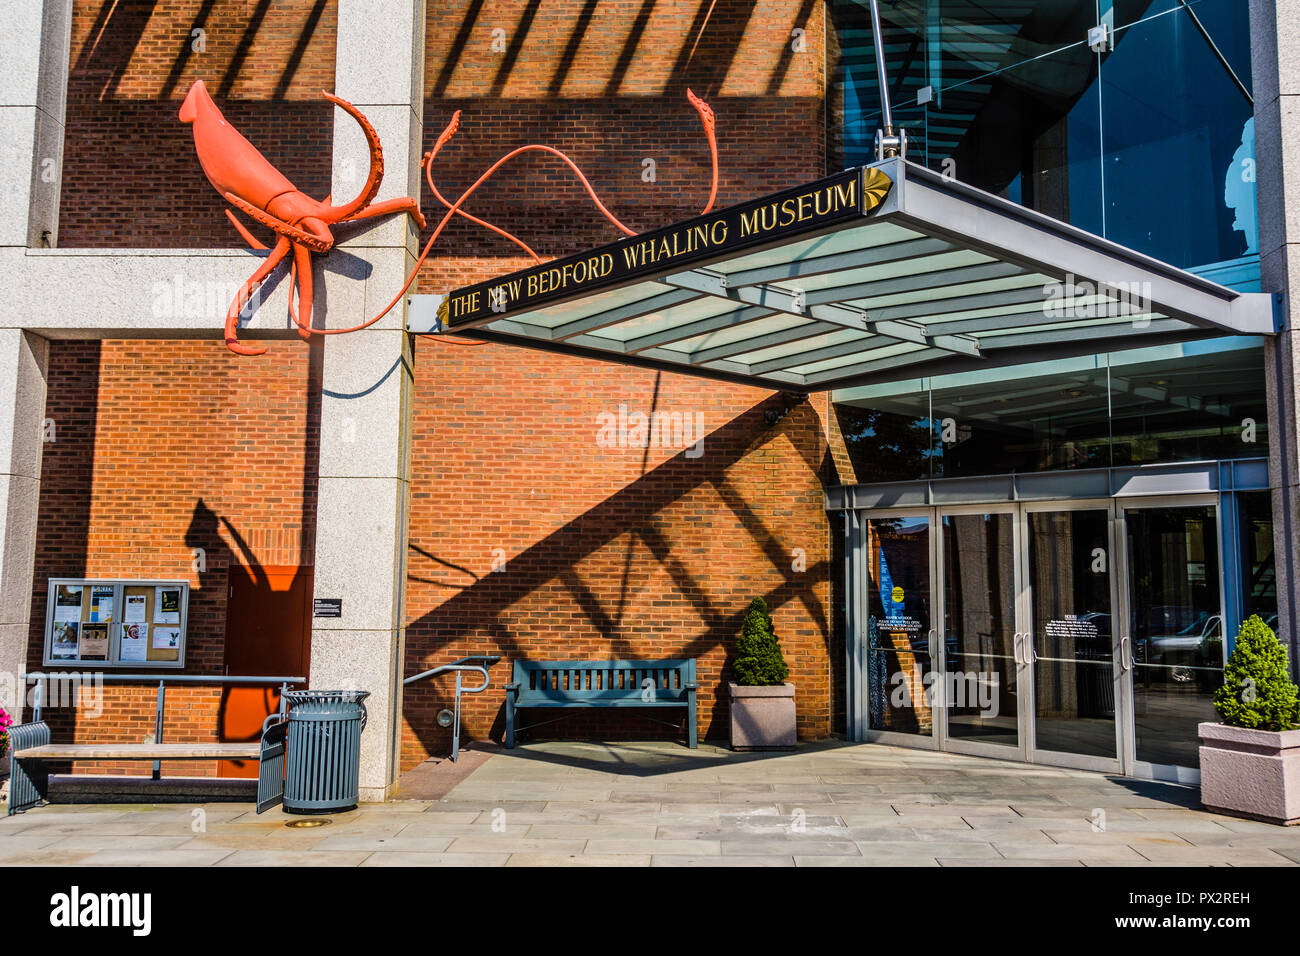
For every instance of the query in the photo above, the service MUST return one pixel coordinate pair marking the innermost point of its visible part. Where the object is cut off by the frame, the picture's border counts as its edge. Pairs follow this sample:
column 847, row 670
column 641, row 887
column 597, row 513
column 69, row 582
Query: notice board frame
column 113, row 657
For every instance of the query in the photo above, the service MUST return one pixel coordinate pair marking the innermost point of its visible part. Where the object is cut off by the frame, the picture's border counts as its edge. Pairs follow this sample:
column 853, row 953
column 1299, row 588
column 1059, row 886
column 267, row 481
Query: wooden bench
column 596, row 684
column 29, row 777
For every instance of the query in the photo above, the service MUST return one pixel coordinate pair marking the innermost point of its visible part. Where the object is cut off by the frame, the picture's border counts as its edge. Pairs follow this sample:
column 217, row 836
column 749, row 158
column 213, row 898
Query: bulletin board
column 106, row 622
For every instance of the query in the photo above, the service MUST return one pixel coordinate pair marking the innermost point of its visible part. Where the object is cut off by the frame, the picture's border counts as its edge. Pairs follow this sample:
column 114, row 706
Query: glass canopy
column 923, row 276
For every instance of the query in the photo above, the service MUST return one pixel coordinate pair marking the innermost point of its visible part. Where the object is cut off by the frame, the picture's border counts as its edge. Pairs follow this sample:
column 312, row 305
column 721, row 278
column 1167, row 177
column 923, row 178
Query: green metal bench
column 582, row 685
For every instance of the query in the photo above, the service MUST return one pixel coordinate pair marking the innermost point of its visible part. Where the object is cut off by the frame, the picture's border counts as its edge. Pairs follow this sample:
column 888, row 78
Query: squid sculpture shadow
column 248, row 181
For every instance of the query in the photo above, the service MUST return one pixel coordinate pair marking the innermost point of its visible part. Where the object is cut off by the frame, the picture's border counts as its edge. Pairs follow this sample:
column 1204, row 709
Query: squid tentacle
column 707, row 120
column 427, row 162
column 276, row 256
column 376, row 174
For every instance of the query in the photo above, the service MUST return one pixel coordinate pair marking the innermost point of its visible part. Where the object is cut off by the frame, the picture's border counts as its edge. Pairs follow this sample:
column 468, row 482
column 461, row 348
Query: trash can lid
column 326, row 696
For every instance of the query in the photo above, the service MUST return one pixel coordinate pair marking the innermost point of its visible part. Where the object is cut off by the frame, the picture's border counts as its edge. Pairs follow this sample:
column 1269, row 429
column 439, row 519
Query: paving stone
column 664, row 796
column 1086, row 837
column 890, row 852
column 1067, row 851
column 286, row 840
column 381, row 844
column 291, row 858
column 500, row 843
column 654, row 847
column 575, row 859
column 26, row 842
column 43, row 858
column 553, row 817
column 1012, row 832
column 1214, row 856
column 1024, row 862
column 768, row 846
column 673, row 860
column 845, row 861
column 606, row 831
column 435, row 829
column 101, row 841
column 126, row 856
column 406, row 858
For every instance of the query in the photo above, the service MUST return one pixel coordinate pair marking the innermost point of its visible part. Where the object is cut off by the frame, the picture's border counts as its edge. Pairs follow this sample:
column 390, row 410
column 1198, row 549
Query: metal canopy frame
column 938, row 277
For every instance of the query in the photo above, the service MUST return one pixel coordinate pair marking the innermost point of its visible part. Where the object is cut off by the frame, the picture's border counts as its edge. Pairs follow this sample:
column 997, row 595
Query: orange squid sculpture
column 245, row 179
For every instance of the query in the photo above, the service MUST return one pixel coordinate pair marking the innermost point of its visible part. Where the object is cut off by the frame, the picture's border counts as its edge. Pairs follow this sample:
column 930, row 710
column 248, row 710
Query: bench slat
column 598, row 702
column 141, row 752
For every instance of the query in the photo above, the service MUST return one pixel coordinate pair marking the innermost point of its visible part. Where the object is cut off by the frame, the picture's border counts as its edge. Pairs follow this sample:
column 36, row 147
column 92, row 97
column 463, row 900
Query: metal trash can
column 322, row 768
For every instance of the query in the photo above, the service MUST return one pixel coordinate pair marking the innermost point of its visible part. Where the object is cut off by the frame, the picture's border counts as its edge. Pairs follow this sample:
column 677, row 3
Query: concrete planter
column 1251, row 773
column 762, row 718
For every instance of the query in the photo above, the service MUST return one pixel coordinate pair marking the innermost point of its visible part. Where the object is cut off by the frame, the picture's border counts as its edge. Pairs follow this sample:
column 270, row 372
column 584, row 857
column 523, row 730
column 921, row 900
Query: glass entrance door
column 899, row 634
column 1173, row 647
column 979, row 693
column 1082, row 634
column 1070, row 648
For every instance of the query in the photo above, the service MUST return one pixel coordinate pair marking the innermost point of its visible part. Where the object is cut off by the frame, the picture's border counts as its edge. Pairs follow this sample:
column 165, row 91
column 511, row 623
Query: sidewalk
column 639, row 804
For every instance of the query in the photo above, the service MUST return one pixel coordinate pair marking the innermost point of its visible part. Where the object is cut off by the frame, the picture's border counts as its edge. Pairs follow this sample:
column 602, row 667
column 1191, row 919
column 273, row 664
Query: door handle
column 1015, row 648
column 1125, row 654
column 1031, row 655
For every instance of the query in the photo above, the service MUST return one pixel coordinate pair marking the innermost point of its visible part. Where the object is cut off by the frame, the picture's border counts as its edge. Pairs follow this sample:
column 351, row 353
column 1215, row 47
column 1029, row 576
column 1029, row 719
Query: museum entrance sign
column 881, row 273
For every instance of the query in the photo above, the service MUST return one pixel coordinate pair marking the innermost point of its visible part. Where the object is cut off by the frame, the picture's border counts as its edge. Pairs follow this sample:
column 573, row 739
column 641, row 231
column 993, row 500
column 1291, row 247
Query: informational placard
column 63, row 646
column 67, row 602
column 135, row 609
column 167, row 605
column 93, row 645
column 116, row 623
column 327, row 607
column 102, row 599
column 134, row 644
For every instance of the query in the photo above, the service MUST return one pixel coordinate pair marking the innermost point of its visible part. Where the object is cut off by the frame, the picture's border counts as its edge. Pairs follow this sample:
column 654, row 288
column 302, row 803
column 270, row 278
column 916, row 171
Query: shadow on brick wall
column 625, row 581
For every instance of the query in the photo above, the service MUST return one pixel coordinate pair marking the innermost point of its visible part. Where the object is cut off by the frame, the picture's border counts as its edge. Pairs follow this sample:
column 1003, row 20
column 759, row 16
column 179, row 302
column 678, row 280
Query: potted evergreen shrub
column 762, row 701
column 1250, row 763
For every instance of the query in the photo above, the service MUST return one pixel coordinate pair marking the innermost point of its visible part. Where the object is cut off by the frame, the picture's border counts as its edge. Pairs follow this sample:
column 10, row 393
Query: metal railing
column 41, row 678
column 459, row 667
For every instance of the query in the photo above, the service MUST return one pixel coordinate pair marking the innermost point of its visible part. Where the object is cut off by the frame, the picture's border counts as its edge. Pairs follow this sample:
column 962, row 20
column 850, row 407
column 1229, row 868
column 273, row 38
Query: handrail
column 448, row 668
column 458, row 667
column 169, row 678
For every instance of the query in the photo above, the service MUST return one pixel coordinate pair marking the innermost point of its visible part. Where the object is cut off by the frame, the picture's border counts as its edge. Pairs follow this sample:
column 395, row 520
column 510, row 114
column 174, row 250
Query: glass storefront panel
column 888, row 439
column 1200, row 401
column 1149, row 143
column 1193, row 405
column 1259, row 577
column 990, row 423
column 1175, row 129
column 1015, row 108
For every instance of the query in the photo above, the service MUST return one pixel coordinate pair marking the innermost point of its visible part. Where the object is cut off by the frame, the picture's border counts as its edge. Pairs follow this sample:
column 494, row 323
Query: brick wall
column 608, row 551
column 160, row 448
column 130, row 177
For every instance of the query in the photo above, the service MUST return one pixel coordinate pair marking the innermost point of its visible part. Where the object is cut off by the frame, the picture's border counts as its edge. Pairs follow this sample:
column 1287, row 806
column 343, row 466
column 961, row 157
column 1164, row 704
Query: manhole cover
column 307, row 824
